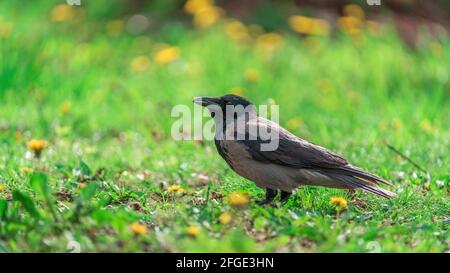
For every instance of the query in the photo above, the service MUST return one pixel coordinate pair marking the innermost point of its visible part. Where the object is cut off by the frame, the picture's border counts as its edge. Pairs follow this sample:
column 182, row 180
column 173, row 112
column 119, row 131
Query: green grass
column 352, row 97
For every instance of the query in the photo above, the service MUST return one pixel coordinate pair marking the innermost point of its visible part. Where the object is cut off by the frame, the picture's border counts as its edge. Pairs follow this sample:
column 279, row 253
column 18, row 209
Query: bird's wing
column 291, row 151
column 298, row 153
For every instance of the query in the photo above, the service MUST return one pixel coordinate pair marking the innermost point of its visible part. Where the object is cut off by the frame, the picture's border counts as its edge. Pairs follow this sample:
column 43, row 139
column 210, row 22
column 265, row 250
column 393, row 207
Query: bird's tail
column 361, row 183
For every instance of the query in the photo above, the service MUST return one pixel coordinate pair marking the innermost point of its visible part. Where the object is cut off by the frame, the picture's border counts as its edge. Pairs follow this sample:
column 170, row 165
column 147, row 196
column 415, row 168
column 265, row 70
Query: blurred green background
column 93, row 86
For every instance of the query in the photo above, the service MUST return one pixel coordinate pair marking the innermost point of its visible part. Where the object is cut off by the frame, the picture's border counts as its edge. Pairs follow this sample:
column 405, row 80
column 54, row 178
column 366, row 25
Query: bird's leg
column 270, row 195
column 285, row 195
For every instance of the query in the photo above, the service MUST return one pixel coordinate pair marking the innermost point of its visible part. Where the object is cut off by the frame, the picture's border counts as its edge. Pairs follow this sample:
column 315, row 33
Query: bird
column 295, row 162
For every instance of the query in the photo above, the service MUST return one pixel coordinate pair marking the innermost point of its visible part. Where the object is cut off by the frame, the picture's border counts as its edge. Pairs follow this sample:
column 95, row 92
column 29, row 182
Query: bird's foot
column 270, row 195
column 284, row 196
column 264, row 202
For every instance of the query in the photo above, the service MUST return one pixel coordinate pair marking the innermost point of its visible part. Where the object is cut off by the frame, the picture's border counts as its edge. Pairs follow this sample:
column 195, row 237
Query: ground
column 98, row 101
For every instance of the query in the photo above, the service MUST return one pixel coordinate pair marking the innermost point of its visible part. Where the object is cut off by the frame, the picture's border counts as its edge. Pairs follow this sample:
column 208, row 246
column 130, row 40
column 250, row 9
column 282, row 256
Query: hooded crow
column 292, row 163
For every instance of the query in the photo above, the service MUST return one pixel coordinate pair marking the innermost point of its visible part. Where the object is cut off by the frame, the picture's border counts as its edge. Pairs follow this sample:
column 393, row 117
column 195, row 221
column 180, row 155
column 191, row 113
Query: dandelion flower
column 428, row 127
column 18, row 136
column 207, row 16
column 167, row 55
column 238, row 199
column 37, row 145
column 193, row 6
column 140, row 64
column 225, row 218
column 354, row 10
column 339, row 202
column 236, row 30
column 193, row 231
column 306, row 25
column 269, row 41
column 397, row 123
column 65, row 107
column 175, row 189
column 2, row 187
column 138, row 229
column 350, row 24
column 26, row 170
column 237, row 91
column 5, row 28
column 294, row 123
column 251, row 75
column 62, row 12
column 115, row 27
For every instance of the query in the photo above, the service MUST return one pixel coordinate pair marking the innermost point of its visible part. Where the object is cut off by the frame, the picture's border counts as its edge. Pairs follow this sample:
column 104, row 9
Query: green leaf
column 39, row 184
column 3, row 208
column 85, row 170
column 27, row 203
column 88, row 191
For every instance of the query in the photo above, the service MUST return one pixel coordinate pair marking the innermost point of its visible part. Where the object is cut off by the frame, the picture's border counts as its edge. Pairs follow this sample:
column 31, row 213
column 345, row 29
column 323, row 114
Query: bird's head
column 223, row 101
column 227, row 104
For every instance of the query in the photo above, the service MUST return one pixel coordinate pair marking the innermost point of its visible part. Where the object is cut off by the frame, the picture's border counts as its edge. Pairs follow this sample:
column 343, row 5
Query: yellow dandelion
column 140, row 63
column 193, row 6
column 236, row 30
column 193, row 231
column 62, row 13
column 5, row 28
column 428, row 127
column 294, row 123
column 238, row 199
column 251, row 75
column 115, row 27
column 26, row 170
column 350, row 24
column 225, row 218
column 307, row 25
column 37, row 145
column 167, row 55
column 208, row 16
column 18, row 136
column 397, row 124
column 339, row 202
column 2, row 187
column 65, row 107
column 269, row 41
column 138, row 229
column 175, row 189
column 354, row 10
column 237, row 91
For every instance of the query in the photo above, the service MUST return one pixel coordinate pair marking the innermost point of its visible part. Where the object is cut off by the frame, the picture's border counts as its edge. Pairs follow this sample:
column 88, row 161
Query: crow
column 294, row 162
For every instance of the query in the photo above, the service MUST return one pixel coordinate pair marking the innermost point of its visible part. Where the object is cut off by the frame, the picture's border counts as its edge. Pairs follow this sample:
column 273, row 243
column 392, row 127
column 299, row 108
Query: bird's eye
column 213, row 114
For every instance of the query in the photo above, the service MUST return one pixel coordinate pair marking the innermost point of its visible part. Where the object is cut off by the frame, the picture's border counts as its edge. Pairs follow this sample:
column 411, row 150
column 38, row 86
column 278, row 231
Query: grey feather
column 297, row 153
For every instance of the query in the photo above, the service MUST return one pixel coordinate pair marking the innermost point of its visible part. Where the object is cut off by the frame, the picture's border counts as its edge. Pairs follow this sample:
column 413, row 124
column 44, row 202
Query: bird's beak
column 206, row 101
